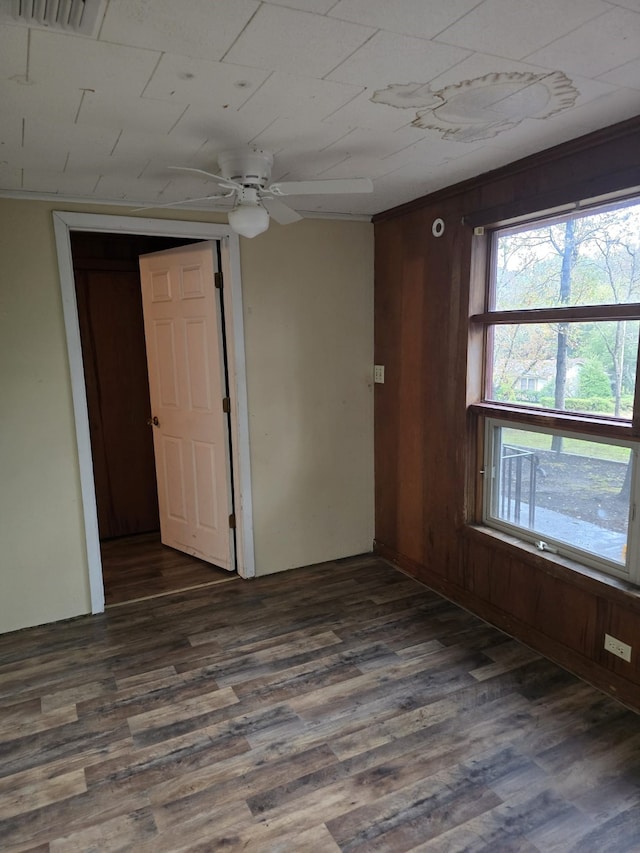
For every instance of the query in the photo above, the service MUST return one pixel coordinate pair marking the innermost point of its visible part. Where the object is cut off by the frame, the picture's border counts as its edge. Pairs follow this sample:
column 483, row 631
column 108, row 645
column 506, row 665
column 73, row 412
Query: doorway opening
column 135, row 564
column 171, row 233
column 140, row 566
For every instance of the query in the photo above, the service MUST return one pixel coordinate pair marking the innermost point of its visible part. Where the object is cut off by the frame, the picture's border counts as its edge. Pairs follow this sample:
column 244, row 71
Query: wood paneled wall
column 425, row 460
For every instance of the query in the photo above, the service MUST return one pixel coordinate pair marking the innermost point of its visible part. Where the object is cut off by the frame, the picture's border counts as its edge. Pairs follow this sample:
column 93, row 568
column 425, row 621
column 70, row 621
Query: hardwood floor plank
column 317, row 839
column 317, row 674
column 67, row 816
column 419, row 819
column 586, row 835
column 190, row 795
column 527, row 813
column 209, row 830
column 178, row 711
column 27, row 718
column 337, row 708
column 140, row 769
column 506, row 826
column 436, row 719
column 424, row 672
column 80, row 693
column 35, row 723
column 505, row 663
column 45, row 674
column 278, row 796
column 477, row 836
column 606, row 798
column 76, row 738
column 155, row 696
column 244, row 665
column 124, row 832
column 41, row 792
column 132, row 682
column 270, row 721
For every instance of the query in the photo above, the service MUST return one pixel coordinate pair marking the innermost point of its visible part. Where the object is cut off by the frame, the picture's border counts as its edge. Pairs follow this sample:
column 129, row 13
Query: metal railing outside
column 517, row 467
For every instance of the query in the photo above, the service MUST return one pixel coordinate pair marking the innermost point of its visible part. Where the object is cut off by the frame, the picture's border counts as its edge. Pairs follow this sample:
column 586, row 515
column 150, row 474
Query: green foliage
column 529, row 397
column 599, row 405
column 626, row 402
column 601, row 255
column 593, row 382
column 504, row 392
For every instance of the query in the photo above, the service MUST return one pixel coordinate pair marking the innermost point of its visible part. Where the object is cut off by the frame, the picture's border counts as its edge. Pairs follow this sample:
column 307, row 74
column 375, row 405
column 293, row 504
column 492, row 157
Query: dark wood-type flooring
column 138, row 567
column 341, row 707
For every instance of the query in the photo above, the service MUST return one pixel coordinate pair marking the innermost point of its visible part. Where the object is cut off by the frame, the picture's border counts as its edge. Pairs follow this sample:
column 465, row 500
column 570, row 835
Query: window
column 561, row 329
column 575, row 502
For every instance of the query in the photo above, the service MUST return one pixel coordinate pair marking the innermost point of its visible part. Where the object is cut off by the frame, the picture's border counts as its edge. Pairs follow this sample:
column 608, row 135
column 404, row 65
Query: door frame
column 64, row 222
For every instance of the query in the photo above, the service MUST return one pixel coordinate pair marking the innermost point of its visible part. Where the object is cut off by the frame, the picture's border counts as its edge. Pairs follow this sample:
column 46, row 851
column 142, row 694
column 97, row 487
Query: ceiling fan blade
column 183, row 201
column 281, row 212
column 224, row 182
column 332, row 187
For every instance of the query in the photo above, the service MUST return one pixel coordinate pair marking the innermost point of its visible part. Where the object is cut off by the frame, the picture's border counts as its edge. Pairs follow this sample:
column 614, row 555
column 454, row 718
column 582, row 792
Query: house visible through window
column 562, row 325
column 529, row 383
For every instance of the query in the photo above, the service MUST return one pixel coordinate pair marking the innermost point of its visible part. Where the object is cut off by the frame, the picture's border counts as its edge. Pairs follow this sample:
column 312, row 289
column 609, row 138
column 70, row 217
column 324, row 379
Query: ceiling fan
column 245, row 176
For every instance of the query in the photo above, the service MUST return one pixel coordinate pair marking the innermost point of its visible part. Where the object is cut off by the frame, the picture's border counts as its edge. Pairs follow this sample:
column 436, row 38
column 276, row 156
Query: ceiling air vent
column 73, row 16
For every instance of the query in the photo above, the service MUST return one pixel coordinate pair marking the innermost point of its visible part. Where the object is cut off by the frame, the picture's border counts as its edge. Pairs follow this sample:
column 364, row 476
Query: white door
column 182, row 326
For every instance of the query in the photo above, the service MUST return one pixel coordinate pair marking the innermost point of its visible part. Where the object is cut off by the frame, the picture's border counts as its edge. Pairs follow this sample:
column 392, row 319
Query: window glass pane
column 586, row 260
column 574, row 491
column 576, row 367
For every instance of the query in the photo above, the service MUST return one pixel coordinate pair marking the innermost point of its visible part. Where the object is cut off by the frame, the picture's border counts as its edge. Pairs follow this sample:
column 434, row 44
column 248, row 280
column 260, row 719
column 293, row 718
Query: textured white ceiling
column 161, row 83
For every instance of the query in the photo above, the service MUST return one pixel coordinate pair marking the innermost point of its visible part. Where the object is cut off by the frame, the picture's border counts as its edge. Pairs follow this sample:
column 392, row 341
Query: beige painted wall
column 43, row 573
column 308, row 302
column 308, row 294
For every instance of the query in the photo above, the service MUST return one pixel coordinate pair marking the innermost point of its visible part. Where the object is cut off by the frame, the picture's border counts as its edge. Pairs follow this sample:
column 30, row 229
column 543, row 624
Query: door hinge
column 217, row 277
column 226, row 405
column 232, row 521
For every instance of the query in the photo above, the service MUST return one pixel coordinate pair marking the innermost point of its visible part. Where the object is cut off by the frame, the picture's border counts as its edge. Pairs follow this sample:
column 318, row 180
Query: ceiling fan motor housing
column 250, row 168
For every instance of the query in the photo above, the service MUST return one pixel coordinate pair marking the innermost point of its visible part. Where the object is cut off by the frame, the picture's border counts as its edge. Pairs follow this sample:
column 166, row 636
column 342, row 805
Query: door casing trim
column 64, row 222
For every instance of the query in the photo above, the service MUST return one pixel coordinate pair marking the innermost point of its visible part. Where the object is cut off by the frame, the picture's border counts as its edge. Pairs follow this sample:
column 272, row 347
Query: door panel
column 197, row 367
column 173, row 480
column 164, row 356
column 206, row 473
column 186, row 382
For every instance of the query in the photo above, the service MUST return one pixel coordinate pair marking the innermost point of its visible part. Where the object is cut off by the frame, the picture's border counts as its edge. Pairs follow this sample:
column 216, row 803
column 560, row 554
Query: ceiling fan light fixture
column 249, row 219
column 245, row 174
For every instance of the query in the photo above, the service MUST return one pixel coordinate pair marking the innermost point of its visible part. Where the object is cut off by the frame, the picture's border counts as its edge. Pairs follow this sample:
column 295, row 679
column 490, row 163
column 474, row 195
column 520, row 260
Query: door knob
column 153, row 422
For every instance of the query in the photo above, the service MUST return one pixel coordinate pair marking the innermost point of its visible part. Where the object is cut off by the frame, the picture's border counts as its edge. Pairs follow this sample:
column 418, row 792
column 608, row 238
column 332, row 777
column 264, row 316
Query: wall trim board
column 65, row 222
column 614, row 685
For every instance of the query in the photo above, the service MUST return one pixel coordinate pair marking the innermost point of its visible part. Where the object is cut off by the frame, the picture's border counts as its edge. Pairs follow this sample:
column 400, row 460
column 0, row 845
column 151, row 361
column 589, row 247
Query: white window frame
column 488, row 412
column 630, row 571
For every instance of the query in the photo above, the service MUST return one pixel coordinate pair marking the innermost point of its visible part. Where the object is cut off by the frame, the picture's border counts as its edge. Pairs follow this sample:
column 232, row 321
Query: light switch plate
column 378, row 373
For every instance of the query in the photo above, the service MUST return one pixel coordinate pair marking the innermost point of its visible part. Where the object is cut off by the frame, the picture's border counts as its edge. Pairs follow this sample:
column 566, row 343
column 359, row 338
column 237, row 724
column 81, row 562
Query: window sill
column 559, row 567
column 600, row 427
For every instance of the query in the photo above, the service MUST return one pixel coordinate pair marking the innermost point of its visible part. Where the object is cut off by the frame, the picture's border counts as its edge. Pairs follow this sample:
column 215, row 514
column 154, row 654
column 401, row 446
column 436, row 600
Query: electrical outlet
column 617, row 647
column 378, row 373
